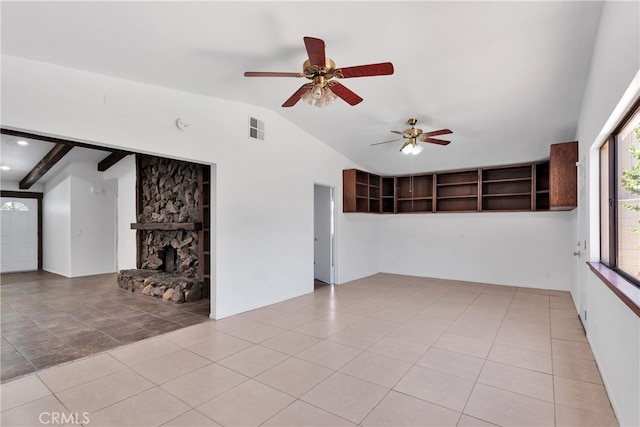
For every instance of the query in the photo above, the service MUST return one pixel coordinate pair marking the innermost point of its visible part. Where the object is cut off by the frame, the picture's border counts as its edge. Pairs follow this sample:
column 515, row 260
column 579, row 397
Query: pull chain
column 411, row 178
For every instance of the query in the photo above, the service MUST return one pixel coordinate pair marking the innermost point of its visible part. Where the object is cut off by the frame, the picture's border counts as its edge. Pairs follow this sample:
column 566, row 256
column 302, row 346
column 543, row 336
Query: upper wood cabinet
column 542, row 186
column 457, row 191
column 414, row 193
column 360, row 191
column 539, row 186
column 387, row 198
column 563, row 176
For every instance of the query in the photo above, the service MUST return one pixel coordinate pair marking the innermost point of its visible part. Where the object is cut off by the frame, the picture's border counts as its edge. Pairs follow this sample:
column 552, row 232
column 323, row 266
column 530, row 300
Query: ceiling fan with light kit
column 322, row 90
column 412, row 136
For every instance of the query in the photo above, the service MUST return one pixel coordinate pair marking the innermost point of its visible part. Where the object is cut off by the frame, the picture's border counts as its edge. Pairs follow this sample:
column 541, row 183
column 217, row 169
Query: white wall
column 79, row 222
column 124, row 172
column 264, row 190
column 93, row 217
column 530, row 249
column 56, row 225
column 613, row 330
column 361, row 241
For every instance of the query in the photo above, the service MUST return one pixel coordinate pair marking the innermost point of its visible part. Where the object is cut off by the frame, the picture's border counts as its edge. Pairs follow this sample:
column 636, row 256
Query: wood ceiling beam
column 51, row 158
column 37, row 172
column 111, row 160
column 45, row 138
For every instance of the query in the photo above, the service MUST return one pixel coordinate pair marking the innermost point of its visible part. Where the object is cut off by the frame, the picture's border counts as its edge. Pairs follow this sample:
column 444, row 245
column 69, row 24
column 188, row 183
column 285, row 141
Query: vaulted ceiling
column 506, row 77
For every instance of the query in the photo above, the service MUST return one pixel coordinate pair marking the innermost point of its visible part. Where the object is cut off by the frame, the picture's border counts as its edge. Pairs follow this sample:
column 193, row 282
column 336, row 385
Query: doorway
column 20, row 225
column 323, row 234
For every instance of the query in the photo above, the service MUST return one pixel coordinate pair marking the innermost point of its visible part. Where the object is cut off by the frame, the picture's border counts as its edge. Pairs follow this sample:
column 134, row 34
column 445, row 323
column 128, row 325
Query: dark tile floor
column 48, row 319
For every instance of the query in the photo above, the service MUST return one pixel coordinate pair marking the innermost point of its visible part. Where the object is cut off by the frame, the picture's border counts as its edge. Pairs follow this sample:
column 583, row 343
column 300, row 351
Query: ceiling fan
column 414, row 135
column 322, row 90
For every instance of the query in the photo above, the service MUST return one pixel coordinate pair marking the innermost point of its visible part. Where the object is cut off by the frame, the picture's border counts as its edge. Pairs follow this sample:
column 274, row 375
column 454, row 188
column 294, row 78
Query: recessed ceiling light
column 5, row 168
column 23, row 142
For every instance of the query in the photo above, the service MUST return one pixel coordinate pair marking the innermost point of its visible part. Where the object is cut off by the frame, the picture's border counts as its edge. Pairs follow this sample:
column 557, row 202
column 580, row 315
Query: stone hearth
column 168, row 231
column 168, row 286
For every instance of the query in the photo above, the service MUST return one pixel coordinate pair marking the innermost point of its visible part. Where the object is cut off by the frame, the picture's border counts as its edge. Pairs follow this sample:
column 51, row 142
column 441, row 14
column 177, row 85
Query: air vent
column 256, row 129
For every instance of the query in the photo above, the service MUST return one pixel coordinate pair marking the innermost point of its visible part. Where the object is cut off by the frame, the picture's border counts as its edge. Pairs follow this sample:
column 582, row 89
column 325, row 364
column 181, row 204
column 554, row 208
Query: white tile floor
column 382, row 351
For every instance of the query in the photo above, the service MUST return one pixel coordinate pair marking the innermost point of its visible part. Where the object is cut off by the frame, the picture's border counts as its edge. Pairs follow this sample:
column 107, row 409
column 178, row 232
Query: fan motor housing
column 311, row 71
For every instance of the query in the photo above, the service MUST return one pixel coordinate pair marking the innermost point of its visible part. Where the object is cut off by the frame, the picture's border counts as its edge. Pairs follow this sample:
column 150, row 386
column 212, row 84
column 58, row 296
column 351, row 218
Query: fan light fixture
column 412, row 148
column 320, row 70
column 319, row 94
column 414, row 135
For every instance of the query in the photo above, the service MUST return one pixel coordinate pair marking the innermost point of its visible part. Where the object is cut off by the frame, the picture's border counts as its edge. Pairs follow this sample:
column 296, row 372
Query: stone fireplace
column 170, row 253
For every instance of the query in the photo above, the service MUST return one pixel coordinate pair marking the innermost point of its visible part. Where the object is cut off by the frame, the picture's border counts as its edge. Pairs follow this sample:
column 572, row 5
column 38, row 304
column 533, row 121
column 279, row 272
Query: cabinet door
column 563, row 176
column 349, row 190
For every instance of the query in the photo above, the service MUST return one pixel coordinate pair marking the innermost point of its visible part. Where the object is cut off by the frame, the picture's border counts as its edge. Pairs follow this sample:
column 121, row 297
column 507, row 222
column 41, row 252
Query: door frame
column 38, row 197
column 332, row 232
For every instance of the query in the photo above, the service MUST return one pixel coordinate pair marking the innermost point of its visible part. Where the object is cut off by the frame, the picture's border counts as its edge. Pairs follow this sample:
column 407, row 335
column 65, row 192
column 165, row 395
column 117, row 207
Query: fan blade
column 381, row 69
column 398, row 132
column 386, row 142
column 296, row 96
column 270, row 74
column 437, row 132
column 434, row 141
column 404, row 145
column 315, row 50
column 344, row 93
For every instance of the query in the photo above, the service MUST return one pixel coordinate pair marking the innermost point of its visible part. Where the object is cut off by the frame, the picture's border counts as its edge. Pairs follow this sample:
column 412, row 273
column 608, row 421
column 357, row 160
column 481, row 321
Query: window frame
column 612, row 192
column 13, row 207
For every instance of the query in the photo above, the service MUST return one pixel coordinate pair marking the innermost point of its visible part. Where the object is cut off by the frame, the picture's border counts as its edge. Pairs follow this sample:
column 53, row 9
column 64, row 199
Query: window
column 620, row 198
column 14, row 206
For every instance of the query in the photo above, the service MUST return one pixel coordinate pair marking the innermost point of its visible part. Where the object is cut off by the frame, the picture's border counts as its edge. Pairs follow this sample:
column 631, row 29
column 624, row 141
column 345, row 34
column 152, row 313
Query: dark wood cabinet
column 542, row 186
column 204, row 234
column 387, row 199
column 563, row 176
column 414, row 193
column 538, row 186
column 360, row 191
column 508, row 188
column 457, row 191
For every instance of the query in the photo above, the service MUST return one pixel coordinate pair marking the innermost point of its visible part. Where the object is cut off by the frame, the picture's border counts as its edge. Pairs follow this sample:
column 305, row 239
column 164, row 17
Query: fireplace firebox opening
column 169, row 257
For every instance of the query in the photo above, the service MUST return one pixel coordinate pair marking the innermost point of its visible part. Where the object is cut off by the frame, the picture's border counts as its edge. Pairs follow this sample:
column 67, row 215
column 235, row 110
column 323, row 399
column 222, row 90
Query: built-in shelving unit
column 387, row 198
column 538, row 186
column 508, row 188
column 361, row 191
column 414, row 193
column 457, row 191
column 204, row 234
column 541, row 186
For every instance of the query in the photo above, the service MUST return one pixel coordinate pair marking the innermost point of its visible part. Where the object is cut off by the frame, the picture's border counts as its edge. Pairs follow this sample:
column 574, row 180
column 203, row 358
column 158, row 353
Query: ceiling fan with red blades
column 414, row 135
column 322, row 90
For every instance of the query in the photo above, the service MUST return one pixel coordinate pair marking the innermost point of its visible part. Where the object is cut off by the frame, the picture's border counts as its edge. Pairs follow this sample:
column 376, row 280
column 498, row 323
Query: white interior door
column 323, row 234
column 18, row 234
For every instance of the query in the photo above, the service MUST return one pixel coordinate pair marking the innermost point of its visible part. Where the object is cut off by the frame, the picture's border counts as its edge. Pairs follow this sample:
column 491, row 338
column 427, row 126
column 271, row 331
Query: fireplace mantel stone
column 189, row 226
